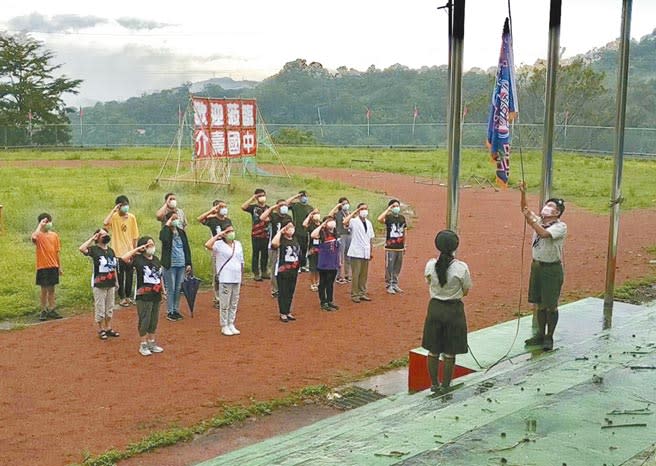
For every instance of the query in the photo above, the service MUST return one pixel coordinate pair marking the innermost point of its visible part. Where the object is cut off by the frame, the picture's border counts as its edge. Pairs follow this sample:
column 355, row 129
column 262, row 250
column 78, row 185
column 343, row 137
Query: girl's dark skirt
column 445, row 328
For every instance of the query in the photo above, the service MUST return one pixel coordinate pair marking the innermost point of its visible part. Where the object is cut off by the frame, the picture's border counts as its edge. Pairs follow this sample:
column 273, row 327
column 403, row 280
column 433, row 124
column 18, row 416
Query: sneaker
column 112, row 333
column 547, row 344
column 266, row 277
column 43, row 316
column 178, row 316
column 226, row 331
column 143, row 350
column 348, row 280
column 171, row 317
column 274, row 294
column 314, row 287
column 305, row 269
column 326, row 307
column 397, row 289
column 355, row 299
column 233, row 329
column 257, row 278
column 390, row 290
column 53, row 315
column 132, row 302
column 365, row 298
column 290, row 316
column 334, row 306
column 534, row 341
column 153, row 348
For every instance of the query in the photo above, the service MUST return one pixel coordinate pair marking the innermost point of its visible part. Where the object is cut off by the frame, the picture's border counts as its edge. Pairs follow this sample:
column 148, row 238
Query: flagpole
column 616, row 199
column 552, row 68
column 455, row 102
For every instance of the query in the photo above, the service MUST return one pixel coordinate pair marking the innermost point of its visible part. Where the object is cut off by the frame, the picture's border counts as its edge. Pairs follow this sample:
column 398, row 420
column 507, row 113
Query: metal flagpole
column 550, row 98
column 616, row 199
column 455, row 103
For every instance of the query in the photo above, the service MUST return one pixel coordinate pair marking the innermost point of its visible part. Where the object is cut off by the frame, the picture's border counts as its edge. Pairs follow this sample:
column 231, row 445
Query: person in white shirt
column 229, row 259
column 547, row 276
column 360, row 250
column 445, row 327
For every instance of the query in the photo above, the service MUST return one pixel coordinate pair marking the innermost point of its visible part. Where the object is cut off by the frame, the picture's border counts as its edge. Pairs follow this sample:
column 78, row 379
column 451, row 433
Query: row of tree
column 31, row 98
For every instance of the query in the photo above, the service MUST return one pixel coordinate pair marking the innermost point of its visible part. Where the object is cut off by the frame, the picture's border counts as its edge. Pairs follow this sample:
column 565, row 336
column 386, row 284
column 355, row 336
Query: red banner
column 224, row 127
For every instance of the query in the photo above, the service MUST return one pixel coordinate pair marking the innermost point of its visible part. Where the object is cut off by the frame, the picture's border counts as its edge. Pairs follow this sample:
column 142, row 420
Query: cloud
column 36, row 22
column 139, row 24
column 130, row 70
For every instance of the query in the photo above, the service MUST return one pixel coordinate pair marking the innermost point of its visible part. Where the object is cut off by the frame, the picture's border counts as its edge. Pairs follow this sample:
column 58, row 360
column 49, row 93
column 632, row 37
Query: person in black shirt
column 395, row 242
column 300, row 207
column 149, row 292
column 105, row 266
column 255, row 206
column 217, row 220
column 278, row 216
column 287, row 269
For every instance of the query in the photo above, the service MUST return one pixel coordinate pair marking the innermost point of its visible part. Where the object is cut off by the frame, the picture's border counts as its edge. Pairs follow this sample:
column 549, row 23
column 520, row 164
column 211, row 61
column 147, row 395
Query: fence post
column 2, row 222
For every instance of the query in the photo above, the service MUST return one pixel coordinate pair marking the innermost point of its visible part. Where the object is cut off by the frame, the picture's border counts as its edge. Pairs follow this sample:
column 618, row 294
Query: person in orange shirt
column 48, row 265
column 125, row 231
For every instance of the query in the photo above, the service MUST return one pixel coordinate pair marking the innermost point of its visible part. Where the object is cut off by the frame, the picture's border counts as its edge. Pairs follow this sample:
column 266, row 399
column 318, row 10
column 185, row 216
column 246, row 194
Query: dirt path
column 63, row 391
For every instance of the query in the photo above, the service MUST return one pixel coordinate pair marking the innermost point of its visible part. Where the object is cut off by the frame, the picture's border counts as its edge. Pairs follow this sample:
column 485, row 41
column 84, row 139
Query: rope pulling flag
column 503, row 109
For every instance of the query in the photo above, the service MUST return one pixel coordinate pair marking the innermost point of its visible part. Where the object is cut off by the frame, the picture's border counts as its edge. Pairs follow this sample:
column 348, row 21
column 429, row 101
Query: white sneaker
column 143, row 350
column 314, row 287
column 234, row 329
column 397, row 289
column 152, row 346
column 390, row 290
column 226, row 331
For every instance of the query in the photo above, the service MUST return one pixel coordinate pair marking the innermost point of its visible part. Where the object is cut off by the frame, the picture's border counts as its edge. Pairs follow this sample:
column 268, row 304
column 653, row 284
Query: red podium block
column 418, row 378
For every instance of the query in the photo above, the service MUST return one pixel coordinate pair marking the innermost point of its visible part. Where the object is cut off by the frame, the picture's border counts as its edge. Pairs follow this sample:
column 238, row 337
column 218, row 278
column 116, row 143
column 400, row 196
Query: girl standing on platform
column 445, row 328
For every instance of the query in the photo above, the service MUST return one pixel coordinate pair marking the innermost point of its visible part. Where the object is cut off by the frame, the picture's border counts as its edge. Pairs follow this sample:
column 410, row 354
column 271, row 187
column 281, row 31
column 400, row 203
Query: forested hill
column 301, row 91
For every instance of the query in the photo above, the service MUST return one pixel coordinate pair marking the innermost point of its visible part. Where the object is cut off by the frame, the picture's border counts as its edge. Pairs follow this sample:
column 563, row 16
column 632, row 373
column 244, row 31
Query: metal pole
column 320, row 124
column 616, row 198
column 550, row 99
column 455, row 103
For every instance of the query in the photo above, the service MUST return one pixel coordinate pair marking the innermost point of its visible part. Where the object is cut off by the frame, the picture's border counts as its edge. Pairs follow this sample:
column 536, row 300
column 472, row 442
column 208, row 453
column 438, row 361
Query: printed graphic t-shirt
column 104, row 266
column 149, row 277
column 259, row 229
column 395, row 235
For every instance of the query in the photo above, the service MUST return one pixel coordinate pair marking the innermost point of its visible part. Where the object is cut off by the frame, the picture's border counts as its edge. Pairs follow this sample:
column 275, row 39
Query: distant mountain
column 224, row 83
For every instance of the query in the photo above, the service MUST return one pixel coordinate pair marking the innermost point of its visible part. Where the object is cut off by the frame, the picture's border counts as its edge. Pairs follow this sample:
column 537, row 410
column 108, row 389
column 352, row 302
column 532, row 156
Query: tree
column 31, row 106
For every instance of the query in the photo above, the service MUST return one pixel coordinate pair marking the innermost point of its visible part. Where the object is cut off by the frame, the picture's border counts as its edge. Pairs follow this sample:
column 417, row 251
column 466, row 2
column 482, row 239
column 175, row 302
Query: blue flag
column 503, row 109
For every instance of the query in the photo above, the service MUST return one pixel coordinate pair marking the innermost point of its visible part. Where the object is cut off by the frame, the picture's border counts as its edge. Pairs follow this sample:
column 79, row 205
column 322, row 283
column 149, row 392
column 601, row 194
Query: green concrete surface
column 534, row 409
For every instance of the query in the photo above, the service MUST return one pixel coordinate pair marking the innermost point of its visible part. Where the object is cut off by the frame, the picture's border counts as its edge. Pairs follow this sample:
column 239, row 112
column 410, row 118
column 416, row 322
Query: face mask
column 316, row 217
column 346, row 207
column 231, row 236
column 173, row 203
column 150, row 251
column 125, row 209
column 548, row 211
column 177, row 223
column 105, row 239
column 283, row 210
column 223, row 211
column 261, row 199
column 331, row 225
column 304, row 199
column 396, row 210
column 48, row 226
column 364, row 213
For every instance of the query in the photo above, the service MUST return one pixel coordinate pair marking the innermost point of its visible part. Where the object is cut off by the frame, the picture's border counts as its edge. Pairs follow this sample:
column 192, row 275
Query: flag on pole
column 81, row 114
column 415, row 114
column 503, row 109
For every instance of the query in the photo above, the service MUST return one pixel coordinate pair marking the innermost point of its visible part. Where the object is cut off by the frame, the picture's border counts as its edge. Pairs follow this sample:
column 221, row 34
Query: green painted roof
column 562, row 407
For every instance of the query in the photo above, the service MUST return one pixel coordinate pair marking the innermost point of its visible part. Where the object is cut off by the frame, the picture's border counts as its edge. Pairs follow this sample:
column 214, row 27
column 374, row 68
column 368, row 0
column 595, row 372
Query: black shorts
column 47, row 277
column 445, row 328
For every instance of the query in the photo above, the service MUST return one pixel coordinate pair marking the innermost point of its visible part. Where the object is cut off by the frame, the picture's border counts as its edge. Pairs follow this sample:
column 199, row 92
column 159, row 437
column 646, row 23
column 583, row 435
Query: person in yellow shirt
column 125, row 233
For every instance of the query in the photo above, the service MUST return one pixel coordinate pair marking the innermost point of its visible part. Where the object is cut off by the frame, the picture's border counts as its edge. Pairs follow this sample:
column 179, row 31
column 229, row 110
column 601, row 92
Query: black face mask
column 105, row 239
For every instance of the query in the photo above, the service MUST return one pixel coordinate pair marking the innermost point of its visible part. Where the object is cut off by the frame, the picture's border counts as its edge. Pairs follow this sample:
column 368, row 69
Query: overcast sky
column 124, row 48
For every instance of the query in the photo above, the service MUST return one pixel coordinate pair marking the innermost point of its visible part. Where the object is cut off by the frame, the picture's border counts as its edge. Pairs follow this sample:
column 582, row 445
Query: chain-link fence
column 588, row 139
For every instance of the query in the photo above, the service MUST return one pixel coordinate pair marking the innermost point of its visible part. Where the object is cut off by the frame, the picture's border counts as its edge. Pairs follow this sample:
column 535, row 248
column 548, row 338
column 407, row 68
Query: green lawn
column 79, row 199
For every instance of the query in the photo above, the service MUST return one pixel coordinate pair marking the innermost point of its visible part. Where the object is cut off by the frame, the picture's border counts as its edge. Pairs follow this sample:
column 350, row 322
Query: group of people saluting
column 335, row 248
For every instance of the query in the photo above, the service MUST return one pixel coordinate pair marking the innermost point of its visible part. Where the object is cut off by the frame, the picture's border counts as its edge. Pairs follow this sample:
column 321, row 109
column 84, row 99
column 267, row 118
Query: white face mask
column 223, row 211
column 548, row 211
column 364, row 213
column 283, row 210
column 173, row 203
column 150, row 251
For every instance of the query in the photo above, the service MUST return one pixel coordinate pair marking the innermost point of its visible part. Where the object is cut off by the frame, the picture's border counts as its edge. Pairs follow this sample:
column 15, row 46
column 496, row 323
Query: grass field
column 80, row 198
